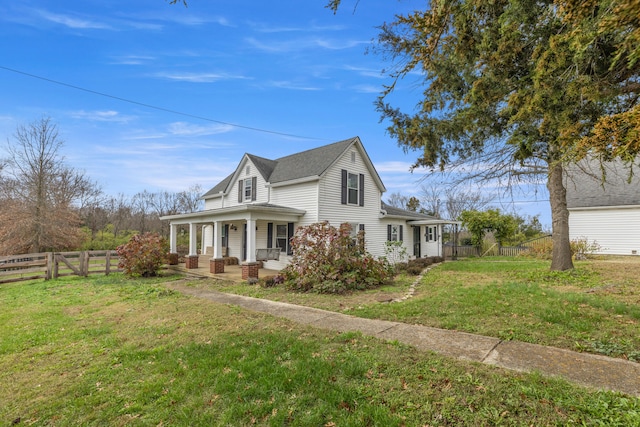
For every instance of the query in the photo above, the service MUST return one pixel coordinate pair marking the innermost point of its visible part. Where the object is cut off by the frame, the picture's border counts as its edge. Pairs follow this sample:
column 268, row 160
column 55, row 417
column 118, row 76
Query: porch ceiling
column 256, row 211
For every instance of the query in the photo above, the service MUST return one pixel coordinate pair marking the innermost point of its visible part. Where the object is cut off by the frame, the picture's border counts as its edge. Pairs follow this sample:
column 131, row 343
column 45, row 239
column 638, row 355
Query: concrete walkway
column 590, row 370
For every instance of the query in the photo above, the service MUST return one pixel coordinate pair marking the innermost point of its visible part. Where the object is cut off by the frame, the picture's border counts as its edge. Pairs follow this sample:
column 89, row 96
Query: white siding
column 235, row 241
column 213, row 203
column 616, row 230
column 302, row 196
column 331, row 209
column 378, row 241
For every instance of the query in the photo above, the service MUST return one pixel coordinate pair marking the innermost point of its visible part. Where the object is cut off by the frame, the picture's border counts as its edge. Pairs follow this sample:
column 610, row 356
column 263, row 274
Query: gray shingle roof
column 309, row 163
column 397, row 212
column 586, row 189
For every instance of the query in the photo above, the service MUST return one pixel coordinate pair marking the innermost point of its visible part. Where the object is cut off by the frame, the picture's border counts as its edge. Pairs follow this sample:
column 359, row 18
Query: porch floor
column 231, row 273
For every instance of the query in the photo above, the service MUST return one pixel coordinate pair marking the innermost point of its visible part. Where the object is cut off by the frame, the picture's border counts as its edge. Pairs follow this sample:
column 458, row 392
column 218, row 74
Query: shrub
column 143, row 255
column 541, row 250
column 414, row 270
column 395, row 252
column 270, row 281
column 327, row 259
column 581, row 247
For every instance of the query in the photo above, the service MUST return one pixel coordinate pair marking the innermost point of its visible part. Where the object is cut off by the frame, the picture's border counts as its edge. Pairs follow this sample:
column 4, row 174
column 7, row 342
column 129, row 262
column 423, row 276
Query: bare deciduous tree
column 448, row 202
column 397, row 200
column 40, row 193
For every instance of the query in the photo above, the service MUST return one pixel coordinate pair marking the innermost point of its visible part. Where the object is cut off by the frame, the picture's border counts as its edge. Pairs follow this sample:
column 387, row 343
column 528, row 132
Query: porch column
column 173, row 238
column 193, row 239
column 217, row 240
column 251, row 240
column 216, row 264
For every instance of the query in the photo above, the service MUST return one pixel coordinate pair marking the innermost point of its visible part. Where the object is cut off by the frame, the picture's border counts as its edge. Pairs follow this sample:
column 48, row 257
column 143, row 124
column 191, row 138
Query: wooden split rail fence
column 51, row 265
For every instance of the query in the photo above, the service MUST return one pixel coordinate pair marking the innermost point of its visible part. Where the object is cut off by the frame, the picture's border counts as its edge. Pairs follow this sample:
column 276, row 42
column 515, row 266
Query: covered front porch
column 255, row 235
column 231, row 273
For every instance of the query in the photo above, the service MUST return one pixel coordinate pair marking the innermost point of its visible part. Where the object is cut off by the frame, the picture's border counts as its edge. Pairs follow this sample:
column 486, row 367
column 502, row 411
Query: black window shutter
column 361, row 189
column 388, row 232
column 240, row 191
column 269, row 235
column 400, row 237
column 254, row 189
column 344, row 187
column 289, row 236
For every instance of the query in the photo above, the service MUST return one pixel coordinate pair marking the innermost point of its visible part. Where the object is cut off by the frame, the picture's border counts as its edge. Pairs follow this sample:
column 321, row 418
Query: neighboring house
column 256, row 210
column 605, row 212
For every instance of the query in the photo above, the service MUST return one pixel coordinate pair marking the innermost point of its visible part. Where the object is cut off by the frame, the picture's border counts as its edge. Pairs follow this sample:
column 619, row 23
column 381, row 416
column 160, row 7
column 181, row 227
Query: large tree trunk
column 561, row 256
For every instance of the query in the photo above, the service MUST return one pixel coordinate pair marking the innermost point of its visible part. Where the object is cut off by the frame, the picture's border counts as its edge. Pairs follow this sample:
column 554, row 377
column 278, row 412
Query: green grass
column 111, row 351
column 522, row 300
column 593, row 308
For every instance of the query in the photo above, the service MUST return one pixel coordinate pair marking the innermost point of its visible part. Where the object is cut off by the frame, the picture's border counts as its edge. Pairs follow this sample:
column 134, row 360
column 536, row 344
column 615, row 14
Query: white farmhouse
column 252, row 213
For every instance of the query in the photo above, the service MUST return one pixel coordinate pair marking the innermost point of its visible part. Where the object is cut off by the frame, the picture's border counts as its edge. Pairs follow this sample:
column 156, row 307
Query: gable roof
column 585, row 188
column 305, row 164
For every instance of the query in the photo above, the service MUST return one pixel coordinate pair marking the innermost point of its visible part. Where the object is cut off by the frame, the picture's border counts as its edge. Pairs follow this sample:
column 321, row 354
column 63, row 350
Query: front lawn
column 112, row 351
column 594, row 308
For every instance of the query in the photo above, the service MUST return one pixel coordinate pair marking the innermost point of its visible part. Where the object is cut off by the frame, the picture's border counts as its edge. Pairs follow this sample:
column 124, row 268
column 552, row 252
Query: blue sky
column 161, row 97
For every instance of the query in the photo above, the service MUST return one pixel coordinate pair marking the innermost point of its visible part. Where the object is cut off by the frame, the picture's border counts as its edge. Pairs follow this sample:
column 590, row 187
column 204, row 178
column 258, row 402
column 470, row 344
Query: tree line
column 45, row 205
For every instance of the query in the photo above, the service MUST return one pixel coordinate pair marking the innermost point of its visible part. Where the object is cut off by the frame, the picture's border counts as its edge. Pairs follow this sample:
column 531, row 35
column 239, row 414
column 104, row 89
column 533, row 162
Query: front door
column 416, row 241
column 432, row 238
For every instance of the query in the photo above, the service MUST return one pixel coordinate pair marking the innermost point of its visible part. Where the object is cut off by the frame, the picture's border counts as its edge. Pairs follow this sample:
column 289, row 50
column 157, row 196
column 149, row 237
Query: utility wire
column 166, row 110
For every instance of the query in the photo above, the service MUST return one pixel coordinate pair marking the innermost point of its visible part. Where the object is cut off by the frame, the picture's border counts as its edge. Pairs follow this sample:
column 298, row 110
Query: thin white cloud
column 365, row 72
column 200, row 77
column 132, row 59
column 268, row 28
column 393, row 167
column 188, row 129
column 282, row 84
column 72, row 21
column 295, row 45
column 102, row 116
column 367, row 88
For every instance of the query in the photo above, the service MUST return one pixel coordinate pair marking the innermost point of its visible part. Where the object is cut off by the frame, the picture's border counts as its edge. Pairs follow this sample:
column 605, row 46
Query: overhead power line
column 154, row 107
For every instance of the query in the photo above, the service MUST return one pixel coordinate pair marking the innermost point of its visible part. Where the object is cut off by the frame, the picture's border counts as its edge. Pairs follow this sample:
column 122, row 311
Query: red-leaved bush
column 143, row 255
column 327, row 259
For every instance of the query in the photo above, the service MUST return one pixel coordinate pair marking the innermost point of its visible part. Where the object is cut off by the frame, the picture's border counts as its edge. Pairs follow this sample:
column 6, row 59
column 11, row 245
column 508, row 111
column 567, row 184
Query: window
column 248, row 189
column 357, row 234
column 394, row 233
column 352, row 188
column 225, row 235
column 281, row 237
column 432, row 234
column 282, row 234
